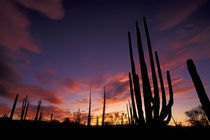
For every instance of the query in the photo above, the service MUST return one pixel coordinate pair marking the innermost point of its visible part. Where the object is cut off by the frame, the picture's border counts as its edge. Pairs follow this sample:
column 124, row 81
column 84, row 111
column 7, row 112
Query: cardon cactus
column 154, row 115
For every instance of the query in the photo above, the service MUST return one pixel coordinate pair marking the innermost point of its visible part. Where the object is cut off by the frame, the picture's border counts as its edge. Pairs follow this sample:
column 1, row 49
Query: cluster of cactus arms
column 89, row 113
column 14, row 106
column 25, row 106
column 154, row 114
column 37, row 112
column 199, row 87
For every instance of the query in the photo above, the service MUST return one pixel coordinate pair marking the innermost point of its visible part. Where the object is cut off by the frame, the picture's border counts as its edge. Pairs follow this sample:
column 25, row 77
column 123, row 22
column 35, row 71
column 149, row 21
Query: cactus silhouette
column 156, row 99
column 145, row 79
column 132, row 98
column 128, row 116
column 89, row 113
column 24, row 106
column 14, row 106
column 37, row 112
column 204, row 100
column 104, row 107
column 131, row 113
column 40, row 116
column 167, row 112
column 161, row 82
column 51, row 117
column 154, row 116
column 135, row 79
column 26, row 111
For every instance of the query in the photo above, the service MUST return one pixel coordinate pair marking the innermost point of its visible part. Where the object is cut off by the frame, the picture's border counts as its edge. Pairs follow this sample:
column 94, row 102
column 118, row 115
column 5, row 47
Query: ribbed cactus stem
column 204, row 100
column 37, row 112
column 14, row 106
column 156, row 100
column 145, row 79
column 104, row 107
column 89, row 113
column 136, row 84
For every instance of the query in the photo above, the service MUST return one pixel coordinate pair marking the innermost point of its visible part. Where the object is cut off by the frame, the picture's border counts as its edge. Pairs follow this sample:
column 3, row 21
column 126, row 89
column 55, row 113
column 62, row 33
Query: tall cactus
column 89, row 113
column 14, row 106
column 37, row 112
column 104, row 107
column 136, row 84
column 204, row 100
column 153, row 114
column 145, row 79
column 156, row 99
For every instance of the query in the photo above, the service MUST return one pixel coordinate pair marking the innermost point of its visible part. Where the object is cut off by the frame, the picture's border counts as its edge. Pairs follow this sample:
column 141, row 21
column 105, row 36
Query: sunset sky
column 56, row 50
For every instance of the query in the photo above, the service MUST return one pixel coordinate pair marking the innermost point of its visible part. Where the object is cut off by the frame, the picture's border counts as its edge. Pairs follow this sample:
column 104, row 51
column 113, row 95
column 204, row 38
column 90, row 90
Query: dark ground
column 64, row 129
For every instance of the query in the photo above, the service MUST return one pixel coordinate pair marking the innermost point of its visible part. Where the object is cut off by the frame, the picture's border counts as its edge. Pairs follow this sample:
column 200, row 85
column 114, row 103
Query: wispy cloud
column 15, row 24
column 173, row 12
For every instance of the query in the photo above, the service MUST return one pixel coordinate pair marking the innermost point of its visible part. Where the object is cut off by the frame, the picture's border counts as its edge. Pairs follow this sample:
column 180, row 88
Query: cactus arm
column 161, row 82
column 145, row 79
column 156, row 99
column 136, row 84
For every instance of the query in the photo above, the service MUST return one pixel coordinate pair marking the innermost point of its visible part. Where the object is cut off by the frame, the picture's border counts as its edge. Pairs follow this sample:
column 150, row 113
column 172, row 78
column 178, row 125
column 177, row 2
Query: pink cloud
column 51, row 8
column 34, row 92
column 174, row 12
column 193, row 42
column 70, row 84
column 14, row 26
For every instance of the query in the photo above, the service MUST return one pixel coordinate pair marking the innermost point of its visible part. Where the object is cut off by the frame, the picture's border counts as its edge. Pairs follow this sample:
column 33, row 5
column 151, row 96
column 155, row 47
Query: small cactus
column 14, row 106
column 37, row 112
column 89, row 113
